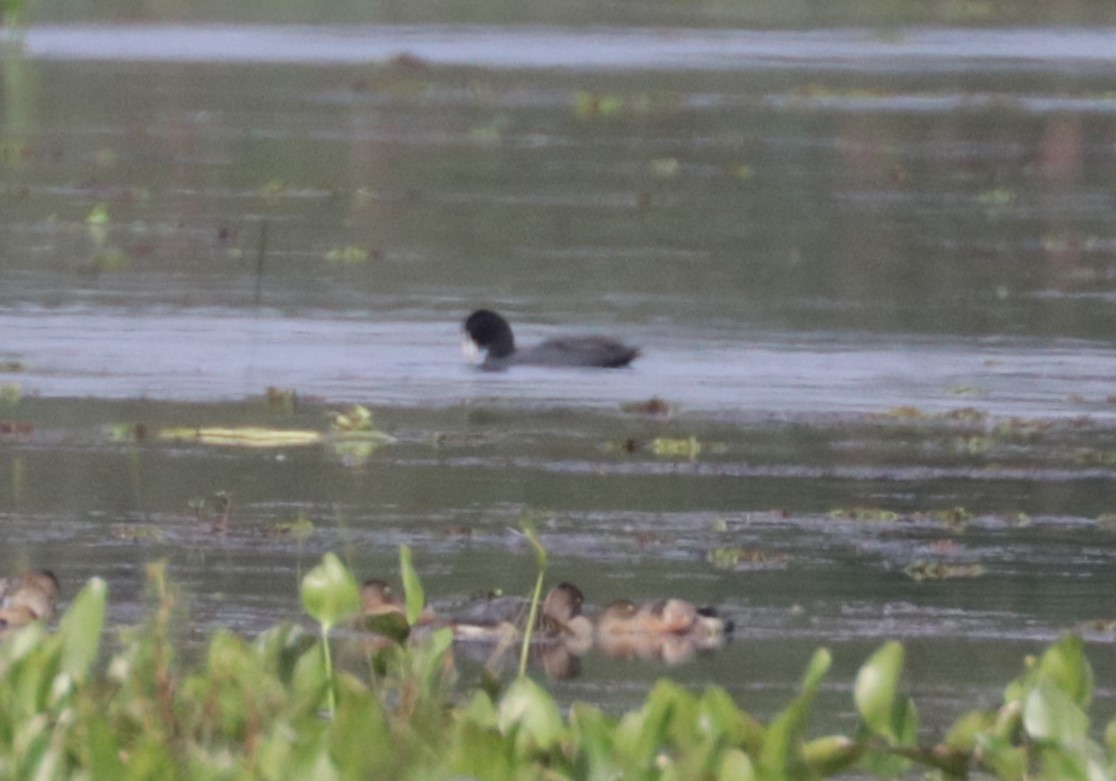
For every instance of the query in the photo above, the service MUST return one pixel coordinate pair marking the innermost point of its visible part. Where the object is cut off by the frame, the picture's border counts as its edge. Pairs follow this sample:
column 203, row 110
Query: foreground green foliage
column 276, row 708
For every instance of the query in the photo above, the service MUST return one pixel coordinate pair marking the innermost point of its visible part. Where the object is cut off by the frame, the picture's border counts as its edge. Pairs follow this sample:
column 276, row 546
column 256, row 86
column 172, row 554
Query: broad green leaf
column 1065, row 664
column 412, row 586
column 593, row 733
column 330, row 593
column 1050, row 714
column 528, row 713
column 736, row 766
column 720, row 717
column 80, row 628
column 968, row 728
column 781, row 754
column 876, row 690
column 361, row 740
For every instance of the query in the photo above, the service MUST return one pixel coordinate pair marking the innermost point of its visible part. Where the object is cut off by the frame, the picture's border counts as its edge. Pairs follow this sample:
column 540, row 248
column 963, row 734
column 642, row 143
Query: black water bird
column 490, row 333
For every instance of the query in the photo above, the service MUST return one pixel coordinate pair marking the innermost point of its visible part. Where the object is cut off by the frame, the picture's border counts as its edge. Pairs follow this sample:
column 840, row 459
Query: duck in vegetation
column 378, row 598
column 559, row 619
column 30, row 596
column 490, row 333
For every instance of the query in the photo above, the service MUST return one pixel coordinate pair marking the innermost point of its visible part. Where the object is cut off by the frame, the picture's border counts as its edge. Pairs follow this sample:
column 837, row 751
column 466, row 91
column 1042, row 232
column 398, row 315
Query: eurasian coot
column 490, row 333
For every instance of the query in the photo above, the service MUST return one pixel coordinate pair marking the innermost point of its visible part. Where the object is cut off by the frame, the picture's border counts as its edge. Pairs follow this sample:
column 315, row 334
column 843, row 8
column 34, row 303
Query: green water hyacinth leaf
column 735, row 765
column 1050, row 714
column 781, row 756
column 412, row 586
column 876, row 691
column 81, row 627
column 1065, row 664
column 968, row 728
column 330, row 593
column 831, row 754
column 819, row 665
column 528, row 710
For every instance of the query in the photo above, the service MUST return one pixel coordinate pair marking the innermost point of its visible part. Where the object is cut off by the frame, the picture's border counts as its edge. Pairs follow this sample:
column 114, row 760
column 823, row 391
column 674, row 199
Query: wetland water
column 869, row 271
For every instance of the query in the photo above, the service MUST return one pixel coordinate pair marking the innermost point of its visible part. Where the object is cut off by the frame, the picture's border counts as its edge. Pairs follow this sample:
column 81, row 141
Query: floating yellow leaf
column 665, row 166
column 347, row 256
column 246, row 436
column 99, row 215
column 676, row 446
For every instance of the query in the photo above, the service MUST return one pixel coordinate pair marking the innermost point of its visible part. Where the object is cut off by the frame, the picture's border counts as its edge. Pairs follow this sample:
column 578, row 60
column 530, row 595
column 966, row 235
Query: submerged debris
column 280, row 399
column 653, row 406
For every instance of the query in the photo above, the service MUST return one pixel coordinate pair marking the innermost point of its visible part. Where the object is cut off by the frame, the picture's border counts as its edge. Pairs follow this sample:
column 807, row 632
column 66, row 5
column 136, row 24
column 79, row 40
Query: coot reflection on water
column 490, row 333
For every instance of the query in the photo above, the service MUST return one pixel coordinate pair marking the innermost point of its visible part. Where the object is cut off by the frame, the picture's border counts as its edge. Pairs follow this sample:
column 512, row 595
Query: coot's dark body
column 491, row 333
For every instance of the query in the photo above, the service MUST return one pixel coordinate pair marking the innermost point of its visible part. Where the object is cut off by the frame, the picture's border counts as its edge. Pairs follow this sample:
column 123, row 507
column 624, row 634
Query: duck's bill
column 470, row 350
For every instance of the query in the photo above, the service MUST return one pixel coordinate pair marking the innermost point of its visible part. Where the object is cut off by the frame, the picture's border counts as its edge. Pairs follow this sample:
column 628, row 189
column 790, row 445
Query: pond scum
column 276, row 708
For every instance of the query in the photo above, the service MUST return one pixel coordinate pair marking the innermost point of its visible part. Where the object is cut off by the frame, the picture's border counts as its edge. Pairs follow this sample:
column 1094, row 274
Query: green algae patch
column 739, row 558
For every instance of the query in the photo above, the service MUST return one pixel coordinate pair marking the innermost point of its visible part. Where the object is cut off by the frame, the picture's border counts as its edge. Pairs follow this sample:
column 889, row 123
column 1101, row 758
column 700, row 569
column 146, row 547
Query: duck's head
column 377, row 598
column 563, row 603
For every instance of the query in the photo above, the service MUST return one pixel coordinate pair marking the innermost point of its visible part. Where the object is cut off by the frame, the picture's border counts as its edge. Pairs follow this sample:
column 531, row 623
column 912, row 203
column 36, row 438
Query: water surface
column 866, row 270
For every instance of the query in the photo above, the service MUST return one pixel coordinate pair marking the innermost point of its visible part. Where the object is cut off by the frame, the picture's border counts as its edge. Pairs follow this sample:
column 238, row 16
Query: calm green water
column 868, row 269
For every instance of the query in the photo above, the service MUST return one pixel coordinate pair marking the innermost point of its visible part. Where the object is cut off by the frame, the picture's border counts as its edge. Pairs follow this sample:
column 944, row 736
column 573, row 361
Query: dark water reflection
column 885, row 286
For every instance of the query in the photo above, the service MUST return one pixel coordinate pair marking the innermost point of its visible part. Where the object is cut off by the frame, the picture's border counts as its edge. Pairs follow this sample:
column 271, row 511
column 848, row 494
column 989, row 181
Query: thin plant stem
column 532, row 615
column 331, row 697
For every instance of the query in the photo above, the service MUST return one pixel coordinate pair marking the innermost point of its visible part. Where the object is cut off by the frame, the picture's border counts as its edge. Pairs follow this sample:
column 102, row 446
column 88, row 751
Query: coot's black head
column 490, row 332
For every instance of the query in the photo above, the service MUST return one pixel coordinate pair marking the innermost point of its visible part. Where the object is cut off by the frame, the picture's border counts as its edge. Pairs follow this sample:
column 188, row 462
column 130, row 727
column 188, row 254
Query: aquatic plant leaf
column 1066, row 666
column 527, row 525
column 1110, row 737
column 939, row 570
column 819, row 666
column 246, row 436
column 865, row 514
column 1004, row 758
column 876, row 690
column 592, row 731
column 968, row 728
column 676, row 446
column 831, row 754
column 98, row 215
column 412, row 586
column 9, row 393
column 330, row 593
column 1050, row 714
column 781, row 755
column 347, row 256
column 664, row 167
column 736, row 766
column 280, row 647
column 720, row 718
column 527, row 712
column 80, row 629
column 361, row 741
